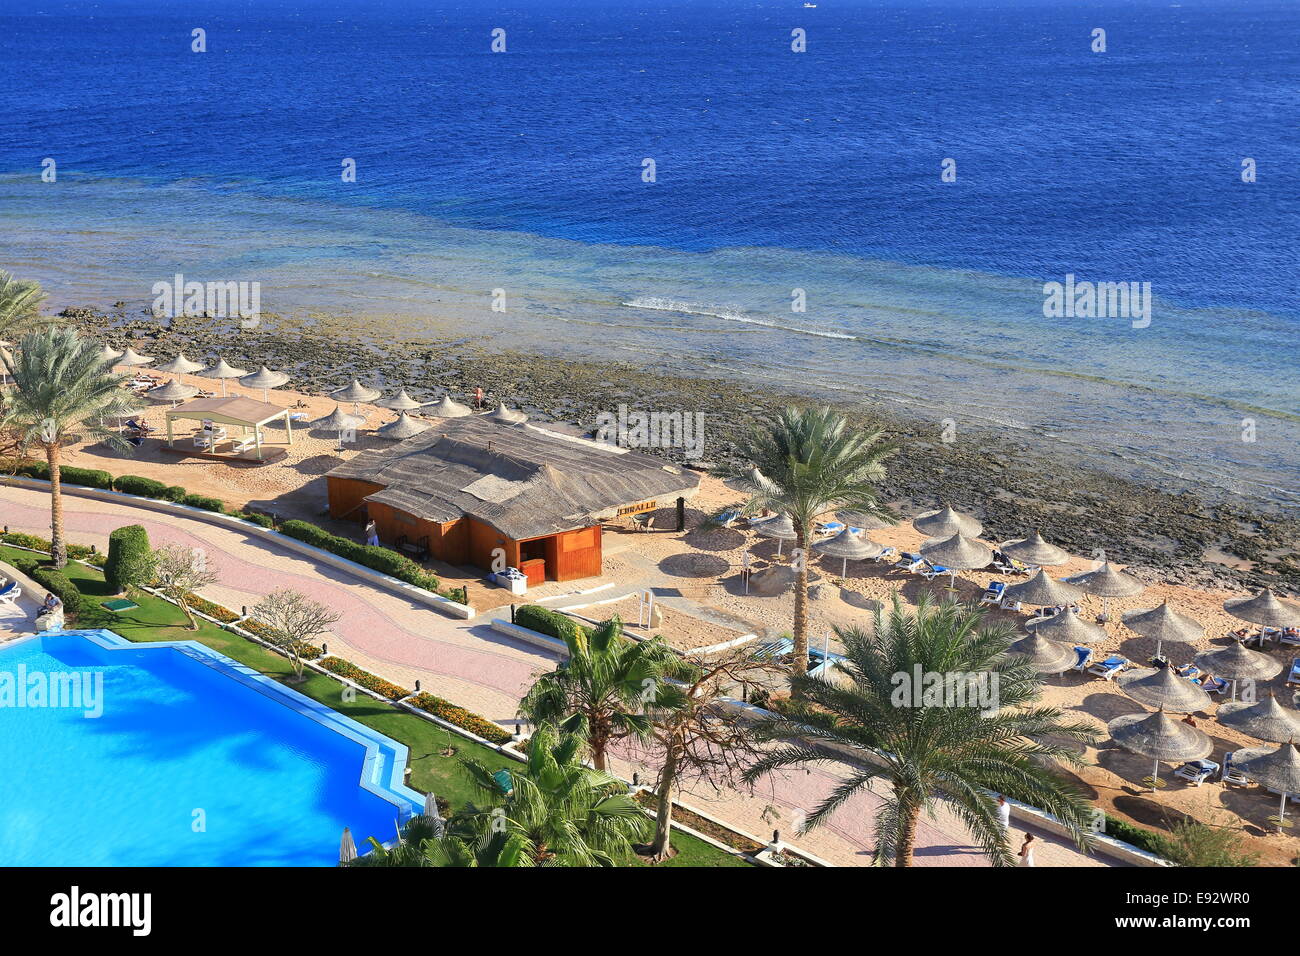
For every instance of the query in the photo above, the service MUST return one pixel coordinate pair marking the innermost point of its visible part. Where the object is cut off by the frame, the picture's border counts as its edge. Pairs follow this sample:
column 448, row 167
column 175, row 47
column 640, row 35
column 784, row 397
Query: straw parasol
column 110, row 354
column 403, row 428
column 848, row 546
column 1264, row 608
column 356, row 393
column 507, row 415
column 779, row 527
column 1067, row 626
column 339, row 421
column 174, row 391
column 1047, row 657
column 957, row 553
column 223, row 371
column 265, row 379
column 863, row 521
column 1034, row 550
column 1161, row 687
column 947, row 522
column 1263, row 720
column 1236, row 662
column 401, row 402
column 1043, row 591
column 1162, row 624
column 446, row 408
column 180, row 365
column 1106, row 583
column 132, row 358
column 347, row 847
column 1161, row 739
column 1276, row 769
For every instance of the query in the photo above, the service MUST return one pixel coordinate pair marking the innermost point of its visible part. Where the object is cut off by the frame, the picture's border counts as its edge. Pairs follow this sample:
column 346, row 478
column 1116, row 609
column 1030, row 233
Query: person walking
column 372, row 533
column 1004, row 815
column 1027, row 851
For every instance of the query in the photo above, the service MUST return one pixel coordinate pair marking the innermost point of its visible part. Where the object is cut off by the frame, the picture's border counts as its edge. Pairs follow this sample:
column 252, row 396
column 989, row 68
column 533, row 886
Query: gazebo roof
column 232, row 410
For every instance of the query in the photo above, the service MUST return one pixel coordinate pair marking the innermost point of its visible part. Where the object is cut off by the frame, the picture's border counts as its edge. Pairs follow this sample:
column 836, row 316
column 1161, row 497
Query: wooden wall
column 345, row 496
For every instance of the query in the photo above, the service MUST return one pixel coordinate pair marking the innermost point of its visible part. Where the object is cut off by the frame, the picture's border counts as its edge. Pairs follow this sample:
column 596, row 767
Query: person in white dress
column 1027, row 851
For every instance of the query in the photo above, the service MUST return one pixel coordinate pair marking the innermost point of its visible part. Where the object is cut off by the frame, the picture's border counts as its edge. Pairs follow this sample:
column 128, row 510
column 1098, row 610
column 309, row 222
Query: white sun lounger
column 10, row 593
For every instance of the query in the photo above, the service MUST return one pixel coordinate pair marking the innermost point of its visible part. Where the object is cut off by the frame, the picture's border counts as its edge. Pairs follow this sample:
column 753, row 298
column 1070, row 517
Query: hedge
column 21, row 539
column 204, row 502
column 144, row 487
column 68, row 474
column 462, row 718
column 337, row 665
column 1139, row 837
column 57, row 582
column 129, row 558
column 260, row 520
column 549, row 622
column 376, row 558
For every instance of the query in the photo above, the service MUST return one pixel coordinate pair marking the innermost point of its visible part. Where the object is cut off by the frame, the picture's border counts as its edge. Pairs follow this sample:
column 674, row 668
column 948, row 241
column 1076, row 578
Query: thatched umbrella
column 947, row 522
column 446, row 408
column 224, row 371
column 1264, row 608
column 339, row 421
column 265, row 379
column 1264, row 720
column 848, row 546
column 174, row 391
column 1161, row 739
column 1048, row 657
column 862, row 521
column 1068, row 626
column 779, row 527
column 506, row 415
column 1276, row 769
column 110, row 355
column 401, row 402
column 1162, row 624
column 1043, row 591
column 180, row 365
column 957, row 553
column 1034, row 550
column 1161, row 687
column 1237, row 662
column 1106, row 583
column 131, row 358
column 403, row 428
column 356, row 393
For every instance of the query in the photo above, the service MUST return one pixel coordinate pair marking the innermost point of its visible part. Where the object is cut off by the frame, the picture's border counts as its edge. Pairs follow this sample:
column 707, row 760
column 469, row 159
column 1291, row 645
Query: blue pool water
column 185, row 735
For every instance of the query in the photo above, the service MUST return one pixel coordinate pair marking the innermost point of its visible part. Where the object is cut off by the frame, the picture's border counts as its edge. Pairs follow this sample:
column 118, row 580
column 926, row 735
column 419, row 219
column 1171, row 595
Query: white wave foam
column 729, row 315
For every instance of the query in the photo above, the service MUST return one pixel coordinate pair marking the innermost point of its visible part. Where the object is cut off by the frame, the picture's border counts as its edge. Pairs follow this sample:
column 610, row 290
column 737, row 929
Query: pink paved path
column 473, row 666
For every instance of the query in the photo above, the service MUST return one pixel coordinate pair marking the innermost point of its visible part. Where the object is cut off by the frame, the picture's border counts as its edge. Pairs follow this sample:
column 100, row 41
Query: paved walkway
column 474, row 666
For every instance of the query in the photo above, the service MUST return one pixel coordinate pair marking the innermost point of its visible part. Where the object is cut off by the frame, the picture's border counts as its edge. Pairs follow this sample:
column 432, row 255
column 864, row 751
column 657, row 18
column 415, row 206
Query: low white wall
column 436, row 601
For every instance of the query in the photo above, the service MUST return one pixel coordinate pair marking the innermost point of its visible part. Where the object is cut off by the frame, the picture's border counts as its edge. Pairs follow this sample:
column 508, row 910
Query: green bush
column 56, row 582
column 34, row 469
column 174, row 493
column 373, row 557
column 204, row 502
column 89, row 477
column 130, row 559
column 23, row 540
column 466, row 720
column 144, row 487
column 1139, row 837
column 261, row 520
column 549, row 622
column 337, row 665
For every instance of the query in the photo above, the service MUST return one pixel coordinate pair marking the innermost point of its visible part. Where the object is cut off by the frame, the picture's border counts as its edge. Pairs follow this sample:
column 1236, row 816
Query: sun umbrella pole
column 1155, row 776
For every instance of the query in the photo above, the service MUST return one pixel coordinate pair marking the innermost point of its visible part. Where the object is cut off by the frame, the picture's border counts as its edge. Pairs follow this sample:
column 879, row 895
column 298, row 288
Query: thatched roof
column 521, row 480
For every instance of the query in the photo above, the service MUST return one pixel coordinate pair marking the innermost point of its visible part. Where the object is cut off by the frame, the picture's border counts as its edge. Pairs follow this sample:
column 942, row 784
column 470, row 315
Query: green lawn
column 158, row 620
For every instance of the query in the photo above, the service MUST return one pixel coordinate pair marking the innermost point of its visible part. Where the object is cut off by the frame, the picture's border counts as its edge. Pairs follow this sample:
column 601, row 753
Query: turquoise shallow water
column 178, row 741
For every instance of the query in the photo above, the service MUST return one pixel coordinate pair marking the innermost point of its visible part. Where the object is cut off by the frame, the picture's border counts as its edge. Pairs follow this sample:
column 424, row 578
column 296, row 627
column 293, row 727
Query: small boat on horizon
column 810, row 6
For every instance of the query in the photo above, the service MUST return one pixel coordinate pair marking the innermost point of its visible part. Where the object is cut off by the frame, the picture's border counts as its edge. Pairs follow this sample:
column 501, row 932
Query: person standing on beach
column 372, row 533
column 1027, row 851
column 1004, row 815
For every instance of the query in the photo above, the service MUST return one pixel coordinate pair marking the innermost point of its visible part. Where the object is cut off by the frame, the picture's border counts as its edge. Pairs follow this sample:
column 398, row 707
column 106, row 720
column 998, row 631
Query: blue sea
column 778, row 176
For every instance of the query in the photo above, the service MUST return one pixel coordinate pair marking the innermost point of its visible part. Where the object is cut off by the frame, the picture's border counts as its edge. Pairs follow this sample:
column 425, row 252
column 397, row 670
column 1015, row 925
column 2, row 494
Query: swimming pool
column 194, row 760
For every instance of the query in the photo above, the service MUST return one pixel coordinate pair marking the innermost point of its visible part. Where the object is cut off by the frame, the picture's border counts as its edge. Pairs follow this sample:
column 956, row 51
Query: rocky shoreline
column 1177, row 536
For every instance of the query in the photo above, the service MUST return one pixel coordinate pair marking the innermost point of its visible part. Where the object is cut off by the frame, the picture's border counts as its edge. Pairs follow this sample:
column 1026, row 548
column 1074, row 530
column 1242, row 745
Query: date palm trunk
column 58, row 547
column 799, row 663
column 906, row 835
column 662, row 845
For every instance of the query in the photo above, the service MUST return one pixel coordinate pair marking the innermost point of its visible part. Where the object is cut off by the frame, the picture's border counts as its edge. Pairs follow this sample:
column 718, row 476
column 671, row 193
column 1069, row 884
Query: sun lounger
column 10, row 593
column 243, row 445
column 1289, row 637
column 1190, row 671
column 907, row 561
column 930, row 570
column 775, row 650
column 1196, row 772
column 1110, row 667
column 728, row 518
column 643, row 522
column 1082, row 658
column 886, row 555
column 830, row 527
column 1231, row 774
column 1294, row 676
column 1215, row 685
column 993, row 594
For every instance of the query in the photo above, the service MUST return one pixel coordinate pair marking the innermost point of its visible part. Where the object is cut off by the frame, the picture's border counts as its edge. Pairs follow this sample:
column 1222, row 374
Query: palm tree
column 601, row 690
column 427, row 842
column 20, row 303
column 805, row 463
column 567, row 813
column 61, row 388
column 939, row 711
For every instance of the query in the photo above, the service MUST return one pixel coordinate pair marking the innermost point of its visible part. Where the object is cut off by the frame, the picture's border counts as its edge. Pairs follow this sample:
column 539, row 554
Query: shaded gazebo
column 248, row 414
